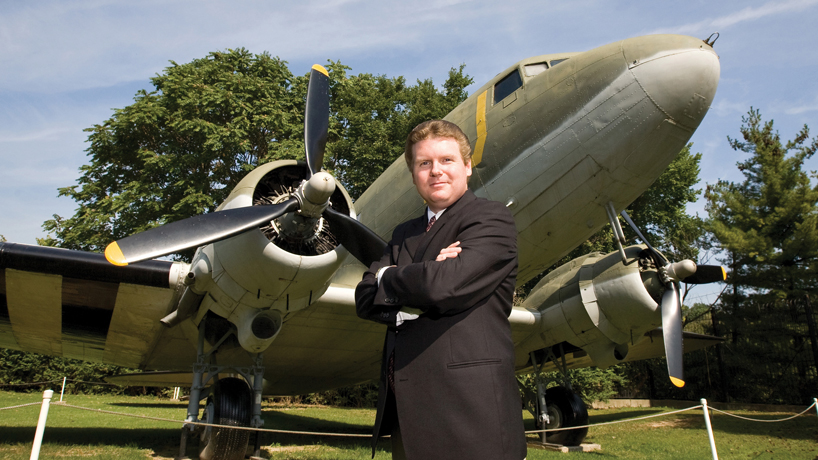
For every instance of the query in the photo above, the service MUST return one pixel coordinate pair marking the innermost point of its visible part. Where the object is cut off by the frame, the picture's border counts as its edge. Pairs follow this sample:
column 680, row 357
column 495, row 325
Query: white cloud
column 802, row 108
column 747, row 14
column 46, row 134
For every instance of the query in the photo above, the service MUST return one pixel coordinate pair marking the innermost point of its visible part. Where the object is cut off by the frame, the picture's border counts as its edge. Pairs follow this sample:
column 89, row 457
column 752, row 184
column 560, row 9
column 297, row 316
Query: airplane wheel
column 229, row 404
column 565, row 409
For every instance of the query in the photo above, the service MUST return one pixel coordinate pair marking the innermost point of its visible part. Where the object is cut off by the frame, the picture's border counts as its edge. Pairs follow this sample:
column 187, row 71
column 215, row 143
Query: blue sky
column 66, row 65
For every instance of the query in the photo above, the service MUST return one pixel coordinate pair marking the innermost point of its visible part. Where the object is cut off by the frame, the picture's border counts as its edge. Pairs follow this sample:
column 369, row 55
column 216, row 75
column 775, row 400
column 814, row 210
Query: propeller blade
column 193, row 232
column 672, row 333
column 707, row 274
column 356, row 237
column 316, row 118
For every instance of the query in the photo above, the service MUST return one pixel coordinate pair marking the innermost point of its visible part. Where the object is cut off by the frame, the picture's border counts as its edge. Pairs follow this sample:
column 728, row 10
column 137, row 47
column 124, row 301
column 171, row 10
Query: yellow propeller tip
column 723, row 274
column 114, row 255
column 320, row 68
column 678, row 382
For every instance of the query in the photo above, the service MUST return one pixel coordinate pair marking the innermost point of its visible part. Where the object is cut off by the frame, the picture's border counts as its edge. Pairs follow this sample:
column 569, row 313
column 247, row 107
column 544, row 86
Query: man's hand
column 449, row 252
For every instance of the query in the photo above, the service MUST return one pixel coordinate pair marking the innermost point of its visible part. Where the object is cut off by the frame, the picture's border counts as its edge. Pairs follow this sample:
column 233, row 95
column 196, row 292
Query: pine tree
column 767, row 225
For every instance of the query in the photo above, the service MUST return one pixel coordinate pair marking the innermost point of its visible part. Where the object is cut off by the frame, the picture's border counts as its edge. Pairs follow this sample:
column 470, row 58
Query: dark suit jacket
column 455, row 391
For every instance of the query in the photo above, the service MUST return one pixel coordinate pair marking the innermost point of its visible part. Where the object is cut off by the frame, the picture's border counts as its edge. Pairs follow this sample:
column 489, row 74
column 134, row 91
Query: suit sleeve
column 367, row 290
column 488, row 238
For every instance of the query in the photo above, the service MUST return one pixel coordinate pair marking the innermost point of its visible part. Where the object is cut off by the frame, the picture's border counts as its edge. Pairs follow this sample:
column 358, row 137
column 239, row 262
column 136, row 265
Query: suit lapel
column 450, row 215
column 415, row 232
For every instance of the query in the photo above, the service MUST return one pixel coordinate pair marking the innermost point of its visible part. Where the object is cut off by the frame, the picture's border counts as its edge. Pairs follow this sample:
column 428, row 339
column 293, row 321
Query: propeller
column 316, row 119
column 672, row 273
column 310, row 201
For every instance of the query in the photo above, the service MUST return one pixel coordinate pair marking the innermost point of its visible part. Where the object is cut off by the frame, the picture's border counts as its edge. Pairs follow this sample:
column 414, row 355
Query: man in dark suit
column 444, row 289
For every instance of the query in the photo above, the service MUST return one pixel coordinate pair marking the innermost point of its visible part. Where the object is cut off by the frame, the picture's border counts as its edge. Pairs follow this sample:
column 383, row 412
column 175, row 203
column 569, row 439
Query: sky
column 67, row 65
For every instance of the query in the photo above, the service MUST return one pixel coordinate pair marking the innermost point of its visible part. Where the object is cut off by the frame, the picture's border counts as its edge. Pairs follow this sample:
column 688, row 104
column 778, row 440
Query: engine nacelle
column 257, row 278
column 607, row 304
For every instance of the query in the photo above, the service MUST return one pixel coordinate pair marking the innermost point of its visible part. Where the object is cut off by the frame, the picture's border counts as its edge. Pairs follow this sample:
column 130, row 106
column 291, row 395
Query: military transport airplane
column 566, row 141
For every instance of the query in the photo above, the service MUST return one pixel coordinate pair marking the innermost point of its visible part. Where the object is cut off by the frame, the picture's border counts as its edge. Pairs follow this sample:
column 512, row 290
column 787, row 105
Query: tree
column 767, row 229
column 767, row 225
column 179, row 150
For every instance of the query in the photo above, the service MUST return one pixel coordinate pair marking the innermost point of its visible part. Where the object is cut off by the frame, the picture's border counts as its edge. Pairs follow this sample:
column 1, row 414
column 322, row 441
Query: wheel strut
column 254, row 374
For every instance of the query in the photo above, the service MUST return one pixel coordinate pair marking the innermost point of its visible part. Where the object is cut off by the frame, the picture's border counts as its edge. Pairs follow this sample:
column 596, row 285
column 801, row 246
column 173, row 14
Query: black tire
column 565, row 409
column 230, row 403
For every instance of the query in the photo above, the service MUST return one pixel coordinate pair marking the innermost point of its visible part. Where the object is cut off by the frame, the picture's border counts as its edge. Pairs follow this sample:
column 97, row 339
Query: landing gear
column 565, row 409
column 231, row 402
column 556, row 407
column 228, row 405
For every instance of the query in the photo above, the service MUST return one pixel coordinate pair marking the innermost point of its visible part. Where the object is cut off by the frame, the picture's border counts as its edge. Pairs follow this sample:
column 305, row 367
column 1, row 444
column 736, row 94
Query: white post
column 709, row 429
column 815, row 400
column 63, row 388
column 38, row 435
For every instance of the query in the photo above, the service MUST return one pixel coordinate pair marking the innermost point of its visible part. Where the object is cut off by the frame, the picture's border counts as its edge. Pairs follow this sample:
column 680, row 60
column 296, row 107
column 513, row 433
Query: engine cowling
column 606, row 304
column 257, row 278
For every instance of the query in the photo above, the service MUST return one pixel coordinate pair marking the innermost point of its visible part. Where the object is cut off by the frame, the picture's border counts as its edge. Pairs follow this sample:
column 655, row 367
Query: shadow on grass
column 169, row 405
column 163, row 441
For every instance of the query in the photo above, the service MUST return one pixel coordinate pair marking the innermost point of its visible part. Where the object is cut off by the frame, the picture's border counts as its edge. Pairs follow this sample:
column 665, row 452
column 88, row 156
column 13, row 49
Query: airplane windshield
column 507, row 85
column 532, row 70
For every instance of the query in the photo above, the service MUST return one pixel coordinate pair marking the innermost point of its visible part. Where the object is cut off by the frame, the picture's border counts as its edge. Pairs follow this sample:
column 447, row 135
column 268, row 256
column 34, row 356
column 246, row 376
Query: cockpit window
column 535, row 69
column 507, row 85
column 557, row 61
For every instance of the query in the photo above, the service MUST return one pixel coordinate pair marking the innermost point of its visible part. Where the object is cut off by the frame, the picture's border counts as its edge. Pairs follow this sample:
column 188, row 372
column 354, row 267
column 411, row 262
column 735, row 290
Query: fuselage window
column 557, row 61
column 507, row 85
column 532, row 70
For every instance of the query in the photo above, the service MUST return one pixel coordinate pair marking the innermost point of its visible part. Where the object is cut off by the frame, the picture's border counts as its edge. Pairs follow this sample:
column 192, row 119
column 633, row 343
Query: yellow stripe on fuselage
column 480, row 119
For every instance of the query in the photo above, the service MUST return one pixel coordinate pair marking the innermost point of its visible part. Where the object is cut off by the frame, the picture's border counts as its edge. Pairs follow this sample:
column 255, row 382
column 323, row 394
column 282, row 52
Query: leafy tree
column 767, row 225
column 23, row 371
column 178, row 150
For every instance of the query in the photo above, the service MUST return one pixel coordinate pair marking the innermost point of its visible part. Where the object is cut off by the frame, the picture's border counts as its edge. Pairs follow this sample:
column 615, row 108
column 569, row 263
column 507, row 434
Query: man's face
column 439, row 173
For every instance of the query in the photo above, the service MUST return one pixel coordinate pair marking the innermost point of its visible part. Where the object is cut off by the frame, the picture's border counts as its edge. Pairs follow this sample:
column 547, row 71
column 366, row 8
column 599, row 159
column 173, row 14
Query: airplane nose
column 679, row 77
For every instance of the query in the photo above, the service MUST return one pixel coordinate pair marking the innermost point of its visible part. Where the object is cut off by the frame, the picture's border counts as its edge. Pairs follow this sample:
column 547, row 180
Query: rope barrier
column 352, row 435
column 21, row 405
column 56, row 381
column 761, row 420
column 616, row 421
column 27, row 384
column 245, row 428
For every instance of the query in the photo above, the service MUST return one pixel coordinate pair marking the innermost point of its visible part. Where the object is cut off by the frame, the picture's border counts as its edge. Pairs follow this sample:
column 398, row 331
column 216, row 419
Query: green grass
column 73, row 433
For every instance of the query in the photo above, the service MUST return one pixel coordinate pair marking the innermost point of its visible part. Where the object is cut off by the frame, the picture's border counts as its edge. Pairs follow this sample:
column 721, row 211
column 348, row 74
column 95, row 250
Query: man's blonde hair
column 436, row 129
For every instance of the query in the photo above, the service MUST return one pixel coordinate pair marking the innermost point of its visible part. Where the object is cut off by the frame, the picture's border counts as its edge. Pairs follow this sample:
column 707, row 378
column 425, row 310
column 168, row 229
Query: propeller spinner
column 311, row 200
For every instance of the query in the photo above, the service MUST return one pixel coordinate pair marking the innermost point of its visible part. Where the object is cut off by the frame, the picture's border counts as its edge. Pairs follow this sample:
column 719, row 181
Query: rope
column 352, row 435
column 760, row 420
column 56, row 381
column 616, row 421
column 245, row 428
column 22, row 405
column 27, row 384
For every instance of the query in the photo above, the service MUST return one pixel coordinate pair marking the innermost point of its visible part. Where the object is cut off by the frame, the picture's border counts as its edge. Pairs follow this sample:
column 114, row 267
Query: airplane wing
column 76, row 305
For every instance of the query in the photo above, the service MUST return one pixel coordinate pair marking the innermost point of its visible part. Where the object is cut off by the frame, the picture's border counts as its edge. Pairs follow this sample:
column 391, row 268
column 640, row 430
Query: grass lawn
column 72, row 433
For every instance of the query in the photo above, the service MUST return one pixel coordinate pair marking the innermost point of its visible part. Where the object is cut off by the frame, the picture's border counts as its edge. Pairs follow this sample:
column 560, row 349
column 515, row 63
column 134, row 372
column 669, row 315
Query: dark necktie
column 431, row 222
